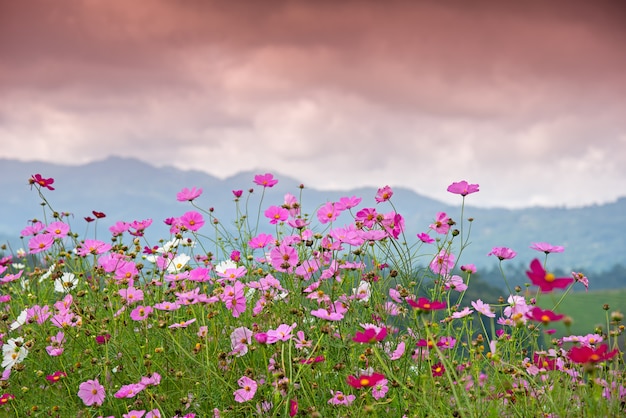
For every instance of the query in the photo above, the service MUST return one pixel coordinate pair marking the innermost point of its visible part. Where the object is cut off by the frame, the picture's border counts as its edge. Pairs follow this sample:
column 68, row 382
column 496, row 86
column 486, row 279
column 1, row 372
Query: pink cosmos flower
column 247, row 391
column 276, row 214
column 546, row 281
column 140, row 313
column 92, row 246
column 56, row 344
column 188, row 195
column 40, row 243
column 167, row 306
column 265, row 180
column 462, row 313
column 42, row 182
column 91, row 392
column 503, row 253
column 441, row 224
column 192, row 221
column 282, row 333
column 119, row 228
column 347, row 203
column 454, row 282
column 338, row 398
column 134, row 414
column 463, row 188
column 581, row 278
column 240, row 338
column 183, row 324
column 544, row 247
column 234, row 298
column 367, row 217
column 261, row 241
column 380, row 389
column 301, row 341
column 131, row 295
column 483, row 308
column 129, row 391
column 442, row 263
column 383, row 194
column 328, row 213
column 284, row 258
column 33, row 229
column 58, row 229
column 469, row 268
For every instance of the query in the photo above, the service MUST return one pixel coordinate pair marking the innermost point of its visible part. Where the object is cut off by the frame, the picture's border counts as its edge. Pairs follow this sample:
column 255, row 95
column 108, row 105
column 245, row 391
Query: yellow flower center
column 364, row 382
column 549, row 277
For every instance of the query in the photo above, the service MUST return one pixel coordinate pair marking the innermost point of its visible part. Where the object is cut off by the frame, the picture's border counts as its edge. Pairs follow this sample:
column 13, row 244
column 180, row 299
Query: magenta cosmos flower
column 425, row 304
column 587, row 354
column 370, row 335
column 546, row 281
column 42, row 182
column 265, row 180
column 364, row 381
column 91, row 392
column 545, row 316
column 463, row 188
column 544, row 247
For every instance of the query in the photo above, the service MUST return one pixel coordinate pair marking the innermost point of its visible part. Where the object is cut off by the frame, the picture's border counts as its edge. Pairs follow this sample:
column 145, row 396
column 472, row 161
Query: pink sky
column 526, row 98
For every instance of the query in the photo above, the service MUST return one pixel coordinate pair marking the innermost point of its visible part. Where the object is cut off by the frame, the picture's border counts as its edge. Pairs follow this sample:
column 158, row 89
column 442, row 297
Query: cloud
column 524, row 97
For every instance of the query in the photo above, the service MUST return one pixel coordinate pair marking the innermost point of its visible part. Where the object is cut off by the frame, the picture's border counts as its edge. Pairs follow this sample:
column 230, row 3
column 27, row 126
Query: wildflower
column 454, row 282
column 442, row 263
column 425, row 304
column 544, row 316
column 348, row 202
column 380, row 389
column 13, row 352
column 282, row 333
column 234, row 298
column 91, row 392
column 247, row 391
column 42, row 182
column 65, row 283
column 364, row 380
column 340, row 399
column 192, row 220
column 483, row 308
column 468, row 268
column 131, row 295
column 441, row 224
column 58, row 229
column 56, row 376
column 463, row 188
column 544, row 247
column 240, row 338
column 183, row 324
column 425, row 238
column 328, row 213
column 503, row 253
column 92, row 246
column 140, row 313
column 188, row 195
column 462, row 313
column 261, row 241
column 581, row 278
column 40, row 243
column 293, row 407
column 363, row 292
column 5, row 398
column 129, row 391
column 586, row 354
column 367, row 217
column 301, row 341
column 370, row 335
column 284, row 258
column 546, row 281
column 134, row 414
column 265, row 180
column 20, row 320
column 103, row 339
column 237, row 193
column 437, row 369
column 383, row 194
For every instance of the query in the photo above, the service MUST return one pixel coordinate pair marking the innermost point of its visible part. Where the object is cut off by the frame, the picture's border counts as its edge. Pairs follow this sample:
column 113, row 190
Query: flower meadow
column 333, row 313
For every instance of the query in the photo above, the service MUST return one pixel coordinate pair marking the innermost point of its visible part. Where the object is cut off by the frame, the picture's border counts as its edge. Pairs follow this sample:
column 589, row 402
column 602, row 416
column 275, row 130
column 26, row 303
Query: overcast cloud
column 528, row 99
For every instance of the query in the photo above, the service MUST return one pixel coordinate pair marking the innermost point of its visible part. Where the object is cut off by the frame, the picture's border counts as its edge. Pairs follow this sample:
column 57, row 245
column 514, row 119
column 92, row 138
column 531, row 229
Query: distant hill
column 128, row 189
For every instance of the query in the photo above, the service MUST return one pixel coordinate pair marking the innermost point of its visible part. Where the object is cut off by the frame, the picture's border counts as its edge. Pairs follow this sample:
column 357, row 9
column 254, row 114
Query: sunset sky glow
column 528, row 99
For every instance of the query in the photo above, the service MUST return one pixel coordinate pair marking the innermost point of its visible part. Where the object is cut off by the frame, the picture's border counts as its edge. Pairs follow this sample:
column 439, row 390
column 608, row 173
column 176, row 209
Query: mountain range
column 128, row 189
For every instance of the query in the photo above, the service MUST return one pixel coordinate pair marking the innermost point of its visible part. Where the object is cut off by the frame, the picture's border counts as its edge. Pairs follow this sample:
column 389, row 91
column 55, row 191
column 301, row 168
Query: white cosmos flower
column 222, row 266
column 19, row 321
column 178, row 263
column 363, row 292
column 65, row 283
column 13, row 352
